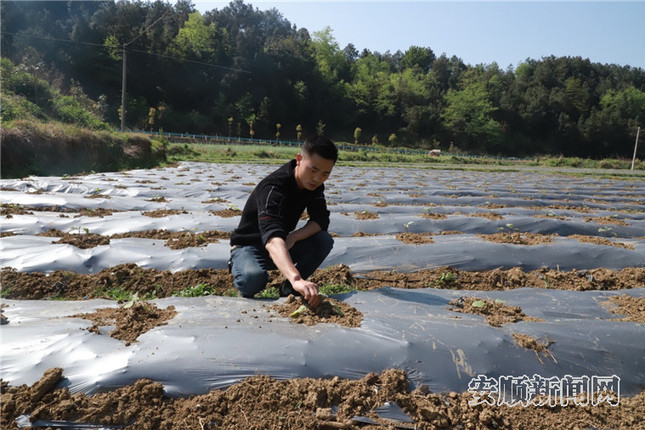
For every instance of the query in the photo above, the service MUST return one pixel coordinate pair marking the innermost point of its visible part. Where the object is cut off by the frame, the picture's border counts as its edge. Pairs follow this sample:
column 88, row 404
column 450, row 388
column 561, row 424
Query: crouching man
column 266, row 238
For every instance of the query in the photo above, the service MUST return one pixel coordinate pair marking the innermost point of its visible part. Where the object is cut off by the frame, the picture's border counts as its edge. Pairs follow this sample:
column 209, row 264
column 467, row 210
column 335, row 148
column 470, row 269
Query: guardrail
column 216, row 139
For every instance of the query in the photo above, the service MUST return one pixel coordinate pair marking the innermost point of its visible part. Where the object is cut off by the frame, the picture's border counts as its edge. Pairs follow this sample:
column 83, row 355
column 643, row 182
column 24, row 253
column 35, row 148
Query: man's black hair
column 322, row 146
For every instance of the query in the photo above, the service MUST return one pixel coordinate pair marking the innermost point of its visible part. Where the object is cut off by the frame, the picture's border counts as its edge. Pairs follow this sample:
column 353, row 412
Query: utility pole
column 123, row 86
column 638, row 132
column 123, row 72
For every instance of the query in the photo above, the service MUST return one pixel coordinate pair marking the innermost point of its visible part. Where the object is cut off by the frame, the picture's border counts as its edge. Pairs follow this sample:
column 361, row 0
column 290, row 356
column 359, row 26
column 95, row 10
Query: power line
column 190, row 61
column 53, row 39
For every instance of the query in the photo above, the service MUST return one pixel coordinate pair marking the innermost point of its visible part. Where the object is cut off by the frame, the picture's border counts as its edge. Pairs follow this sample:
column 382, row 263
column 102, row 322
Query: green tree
column 468, row 116
column 195, row 39
column 357, row 134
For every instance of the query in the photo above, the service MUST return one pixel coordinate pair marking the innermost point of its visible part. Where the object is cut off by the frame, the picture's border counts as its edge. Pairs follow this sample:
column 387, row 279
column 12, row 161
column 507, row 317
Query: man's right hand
column 308, row 290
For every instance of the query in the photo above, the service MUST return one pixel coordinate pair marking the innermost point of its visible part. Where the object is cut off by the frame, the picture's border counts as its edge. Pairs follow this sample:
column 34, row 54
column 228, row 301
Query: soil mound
column 130, row 320
column 376, row 401
column 495, row 311
column 155, row 283
column 329, row 311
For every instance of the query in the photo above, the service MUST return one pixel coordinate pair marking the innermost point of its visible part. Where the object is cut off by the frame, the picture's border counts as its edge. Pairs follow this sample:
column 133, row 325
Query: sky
column 479, row 32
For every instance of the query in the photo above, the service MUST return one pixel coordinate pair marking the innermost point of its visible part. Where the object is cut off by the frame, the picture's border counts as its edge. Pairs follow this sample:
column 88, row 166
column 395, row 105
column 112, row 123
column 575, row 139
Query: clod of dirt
column 130, row 321
column 173, row 240
column 535, row 344
column 160, row 213
column 84, row 240
column 431, row 215
column 340, row 274
column 495, row 311
column 415, row 238
column 227, row 213
column 487, row 215
column 599, row 241
column 517, row 238
column 632, row 307
column 329, row 311
column 3, row 319
column 363, row 215
column 606, row 220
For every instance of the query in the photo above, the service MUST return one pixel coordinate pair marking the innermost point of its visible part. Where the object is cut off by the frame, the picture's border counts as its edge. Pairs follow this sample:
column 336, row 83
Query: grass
column 195, row 291
column 238, row 153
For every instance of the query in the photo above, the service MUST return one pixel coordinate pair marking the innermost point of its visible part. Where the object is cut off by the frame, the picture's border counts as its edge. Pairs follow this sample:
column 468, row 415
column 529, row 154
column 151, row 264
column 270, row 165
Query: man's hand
column 309, row 291
column 277, row 248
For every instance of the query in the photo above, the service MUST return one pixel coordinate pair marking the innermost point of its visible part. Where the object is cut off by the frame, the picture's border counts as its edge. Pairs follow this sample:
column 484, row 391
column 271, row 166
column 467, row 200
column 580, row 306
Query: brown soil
column 632, row 307
column 79, row 240
column 9, row 210
column 599, row 241
column 329, row 311
column 430, row 215
column 163, row 283
column 415, row 238
column 495, row 311
column 539, row 346
column 559, row 217
column 517, row 238
column 130, row 320
column 227, row 213
column 606, row 220
column 487, row 215
column 160, row 213
column 261, row 402
column 363, row 215
column 174, row 240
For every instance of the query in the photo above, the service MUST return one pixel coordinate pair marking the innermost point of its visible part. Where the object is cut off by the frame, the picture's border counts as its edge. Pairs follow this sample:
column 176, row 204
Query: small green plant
column 195, row 291
column 269, row 293
column 509, row 228
column 330, row 289
column 133, row 299
column 79, row 228
column 447, row 278
column 608, row 230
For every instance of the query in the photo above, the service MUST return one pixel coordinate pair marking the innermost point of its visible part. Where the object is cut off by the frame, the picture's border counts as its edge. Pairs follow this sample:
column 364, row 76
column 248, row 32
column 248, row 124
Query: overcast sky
column 479, row 32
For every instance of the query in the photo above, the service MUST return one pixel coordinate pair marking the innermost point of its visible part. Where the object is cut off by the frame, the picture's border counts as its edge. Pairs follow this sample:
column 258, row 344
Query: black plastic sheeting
column 216, row 341
column 567, row 205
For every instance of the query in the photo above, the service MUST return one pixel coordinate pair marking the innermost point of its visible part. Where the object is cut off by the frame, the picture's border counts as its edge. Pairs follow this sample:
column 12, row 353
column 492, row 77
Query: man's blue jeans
column 249, row 264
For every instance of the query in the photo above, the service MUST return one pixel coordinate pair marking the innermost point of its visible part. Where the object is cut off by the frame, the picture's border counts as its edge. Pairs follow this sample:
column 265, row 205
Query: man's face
column 312, row 170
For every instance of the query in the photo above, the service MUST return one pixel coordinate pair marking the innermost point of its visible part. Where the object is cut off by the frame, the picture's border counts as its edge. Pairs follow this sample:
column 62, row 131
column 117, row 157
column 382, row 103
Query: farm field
column 451, row 283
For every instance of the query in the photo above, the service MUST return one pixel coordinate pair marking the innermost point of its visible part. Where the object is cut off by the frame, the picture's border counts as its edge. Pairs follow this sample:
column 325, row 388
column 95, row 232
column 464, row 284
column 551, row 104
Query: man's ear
column 298, row 157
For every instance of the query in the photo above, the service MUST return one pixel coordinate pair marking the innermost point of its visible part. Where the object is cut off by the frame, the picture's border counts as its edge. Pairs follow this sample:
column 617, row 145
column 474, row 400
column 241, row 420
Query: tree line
column 240, row 71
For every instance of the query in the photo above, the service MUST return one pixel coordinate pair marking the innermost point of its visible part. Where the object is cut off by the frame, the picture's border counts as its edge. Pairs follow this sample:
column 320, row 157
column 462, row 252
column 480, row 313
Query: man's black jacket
column 275, row 206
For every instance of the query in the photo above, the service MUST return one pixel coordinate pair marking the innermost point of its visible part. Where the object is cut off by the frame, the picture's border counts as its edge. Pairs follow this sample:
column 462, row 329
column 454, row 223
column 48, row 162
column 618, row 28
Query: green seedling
column 195, row 291
column 132, row 301
column 269, row 293
column 447, row 278
column 330, row 289
column 337, row 310
column 301, row 310
column 478, row 304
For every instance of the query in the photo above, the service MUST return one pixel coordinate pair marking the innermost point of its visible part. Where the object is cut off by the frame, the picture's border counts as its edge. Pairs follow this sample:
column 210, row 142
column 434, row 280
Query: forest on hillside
column 240, row 71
